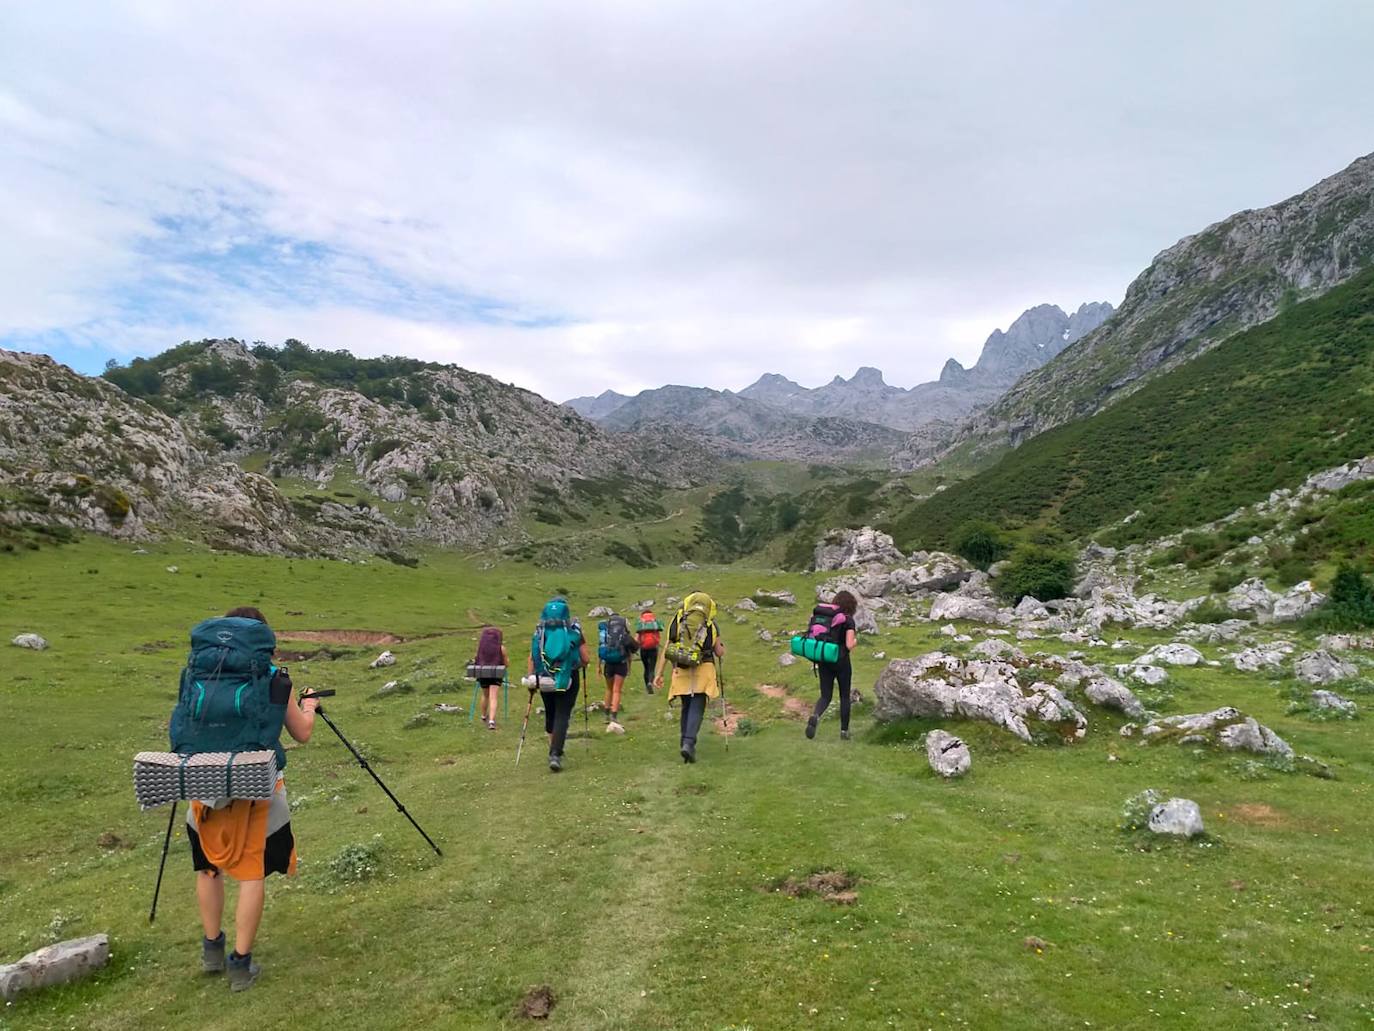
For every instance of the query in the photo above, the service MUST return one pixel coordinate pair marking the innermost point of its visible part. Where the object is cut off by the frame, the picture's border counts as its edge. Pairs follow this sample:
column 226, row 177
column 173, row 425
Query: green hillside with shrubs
column 1259, row 412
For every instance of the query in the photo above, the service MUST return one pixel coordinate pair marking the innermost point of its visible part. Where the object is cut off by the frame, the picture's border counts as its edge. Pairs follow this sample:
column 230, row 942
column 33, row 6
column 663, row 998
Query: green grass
column 1260, row 411
column 634, row 885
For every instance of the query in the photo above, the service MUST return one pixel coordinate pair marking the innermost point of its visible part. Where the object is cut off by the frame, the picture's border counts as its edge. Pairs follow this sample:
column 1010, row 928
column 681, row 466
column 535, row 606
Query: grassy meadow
column 642, row 891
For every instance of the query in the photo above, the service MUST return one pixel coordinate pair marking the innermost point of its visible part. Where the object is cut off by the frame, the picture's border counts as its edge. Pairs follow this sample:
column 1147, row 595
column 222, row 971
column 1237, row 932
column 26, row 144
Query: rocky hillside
column 1204, row 289
column 1033, row 339
column 733, row 426
column 294, row 449
column 1255, row 414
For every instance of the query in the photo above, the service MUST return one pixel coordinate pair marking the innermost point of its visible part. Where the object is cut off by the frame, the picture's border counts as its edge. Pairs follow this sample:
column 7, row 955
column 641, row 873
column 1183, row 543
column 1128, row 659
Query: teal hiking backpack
column 224, row 703
column 556, row 644
column 613, row 639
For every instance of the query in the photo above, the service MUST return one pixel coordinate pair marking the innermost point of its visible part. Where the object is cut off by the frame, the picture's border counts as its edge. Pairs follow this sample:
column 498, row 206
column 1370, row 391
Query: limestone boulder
column 948, row 755
column 1321, row 667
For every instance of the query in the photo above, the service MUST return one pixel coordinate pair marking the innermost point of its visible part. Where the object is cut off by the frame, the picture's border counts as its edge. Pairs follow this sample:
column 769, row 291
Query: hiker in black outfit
column 841, row 671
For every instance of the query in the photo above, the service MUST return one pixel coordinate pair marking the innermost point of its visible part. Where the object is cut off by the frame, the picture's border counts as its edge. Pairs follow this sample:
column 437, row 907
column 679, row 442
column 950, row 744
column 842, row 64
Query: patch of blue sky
column 195, row 271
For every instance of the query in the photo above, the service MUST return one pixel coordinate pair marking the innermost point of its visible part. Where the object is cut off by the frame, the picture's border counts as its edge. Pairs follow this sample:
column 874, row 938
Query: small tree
column 1350, row 605
column 1039, row 572
column 981, row 543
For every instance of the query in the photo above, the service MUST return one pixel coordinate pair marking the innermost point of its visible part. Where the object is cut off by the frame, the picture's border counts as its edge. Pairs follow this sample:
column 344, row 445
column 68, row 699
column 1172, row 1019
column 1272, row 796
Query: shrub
column 1293, row 570
column 1210, row 612
column 113, row 502
column 1350, row 606
column 981, row 543
column 1040, row 572
column 1224, row 579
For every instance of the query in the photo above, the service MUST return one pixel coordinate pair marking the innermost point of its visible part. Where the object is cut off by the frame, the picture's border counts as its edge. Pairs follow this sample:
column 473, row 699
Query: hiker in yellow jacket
column 692, row 649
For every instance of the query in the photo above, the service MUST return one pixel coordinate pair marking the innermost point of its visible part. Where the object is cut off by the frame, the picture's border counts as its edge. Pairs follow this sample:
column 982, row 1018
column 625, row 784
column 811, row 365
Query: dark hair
column 246, row 612
column 846, row 603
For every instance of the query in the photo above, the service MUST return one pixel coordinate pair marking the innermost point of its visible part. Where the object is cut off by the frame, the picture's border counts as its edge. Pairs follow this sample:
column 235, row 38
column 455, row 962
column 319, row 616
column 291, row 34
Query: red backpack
column 649, row 629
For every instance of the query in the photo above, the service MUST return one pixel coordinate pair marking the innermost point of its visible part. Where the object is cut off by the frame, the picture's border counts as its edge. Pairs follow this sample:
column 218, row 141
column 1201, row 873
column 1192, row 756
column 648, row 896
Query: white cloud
column 677, row 191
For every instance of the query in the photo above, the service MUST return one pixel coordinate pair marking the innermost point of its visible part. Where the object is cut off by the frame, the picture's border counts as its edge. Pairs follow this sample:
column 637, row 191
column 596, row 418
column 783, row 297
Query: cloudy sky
column 581, row 195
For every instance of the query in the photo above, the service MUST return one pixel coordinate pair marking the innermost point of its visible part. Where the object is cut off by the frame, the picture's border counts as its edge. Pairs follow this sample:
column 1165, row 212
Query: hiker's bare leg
column 248, row 915
column 210, row 895
column 617, row 682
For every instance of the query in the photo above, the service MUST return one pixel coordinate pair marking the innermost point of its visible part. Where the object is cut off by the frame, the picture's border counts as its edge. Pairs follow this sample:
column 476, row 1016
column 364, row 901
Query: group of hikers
column 231, row 676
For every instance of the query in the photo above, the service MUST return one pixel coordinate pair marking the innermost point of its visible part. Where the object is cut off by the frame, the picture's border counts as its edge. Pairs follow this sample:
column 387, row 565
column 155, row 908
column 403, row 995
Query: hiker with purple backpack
column 491, row 656
column 833, row 625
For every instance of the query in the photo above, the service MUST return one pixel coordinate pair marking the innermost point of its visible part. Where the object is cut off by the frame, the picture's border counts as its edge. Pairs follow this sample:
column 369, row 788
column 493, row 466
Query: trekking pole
column 724, row 720
column 586, row 720
column 528, row 709
column 364, row 764
column 157, row 889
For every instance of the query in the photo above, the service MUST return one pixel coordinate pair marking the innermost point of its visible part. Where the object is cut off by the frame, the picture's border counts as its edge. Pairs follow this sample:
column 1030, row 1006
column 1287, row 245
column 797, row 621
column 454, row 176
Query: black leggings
column 843, row 672
column 558, row 710
column 650, row 657
column 693, row 709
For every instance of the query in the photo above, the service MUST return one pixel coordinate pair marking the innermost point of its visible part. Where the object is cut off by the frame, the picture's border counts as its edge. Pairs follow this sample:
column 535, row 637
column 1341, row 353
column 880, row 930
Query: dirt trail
column 793, row 707
column 342, row 636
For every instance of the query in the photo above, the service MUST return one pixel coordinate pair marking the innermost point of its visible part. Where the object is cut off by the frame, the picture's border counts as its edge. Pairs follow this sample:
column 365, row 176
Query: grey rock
column 1113, row 694
column 846, row 549
column 948, row 755
column 778, row 597
column 786, row 659
column 747, row 605
column 33, row 641
column 1177, row 816
column 1227, row 728
column 1332, row 701
column 1254, row 597
column 61, row 963
column 953, row 606
column 1297, row 602
column 1321, row 667
column 765, row 635
column 688, row 567
column 601, row 612
column 1262, row 657
column 382, row 660
column 1174, row 654
column 944, row 686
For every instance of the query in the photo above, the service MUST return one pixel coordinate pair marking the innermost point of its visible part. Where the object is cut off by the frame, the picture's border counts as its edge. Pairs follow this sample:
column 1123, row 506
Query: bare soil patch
column 796, row 708
column 835, row 886
column 342, row 636
column 727, row 724
column 1258, row 814
column 536, row 1004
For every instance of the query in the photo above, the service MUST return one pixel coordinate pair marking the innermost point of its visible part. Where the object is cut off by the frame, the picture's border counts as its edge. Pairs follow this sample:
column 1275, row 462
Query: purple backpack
column 489, row 647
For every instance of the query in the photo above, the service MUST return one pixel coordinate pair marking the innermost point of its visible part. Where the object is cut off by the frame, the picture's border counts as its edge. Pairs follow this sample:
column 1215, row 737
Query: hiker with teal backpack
column 694, row 651
column 615, row 646
column 558, row 657
column 234, row 699
column 829, row 639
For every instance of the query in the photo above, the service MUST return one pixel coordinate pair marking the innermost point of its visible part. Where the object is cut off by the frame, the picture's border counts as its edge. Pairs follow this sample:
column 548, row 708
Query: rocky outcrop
column 1329, row 701
column 944, row 686
column 1262, row 657
column 34, row 642
column 1103, row 691
column 1226, row 728
column 850, row 549
column 1170, row 655
column 1251, row 597
column 1321, row 667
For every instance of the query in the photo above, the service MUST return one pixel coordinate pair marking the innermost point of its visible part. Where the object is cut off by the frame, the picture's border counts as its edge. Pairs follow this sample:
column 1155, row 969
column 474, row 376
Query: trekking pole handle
column 328, row 692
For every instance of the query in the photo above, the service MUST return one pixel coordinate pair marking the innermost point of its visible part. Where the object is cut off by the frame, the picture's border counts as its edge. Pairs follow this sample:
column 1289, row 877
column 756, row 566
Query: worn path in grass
column 636, row 887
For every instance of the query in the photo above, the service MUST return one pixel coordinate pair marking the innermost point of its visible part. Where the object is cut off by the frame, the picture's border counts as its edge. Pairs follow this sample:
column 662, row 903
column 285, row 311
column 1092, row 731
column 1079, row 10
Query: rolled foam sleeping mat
column 476, row 671
column 163, row 777
column 815, row 649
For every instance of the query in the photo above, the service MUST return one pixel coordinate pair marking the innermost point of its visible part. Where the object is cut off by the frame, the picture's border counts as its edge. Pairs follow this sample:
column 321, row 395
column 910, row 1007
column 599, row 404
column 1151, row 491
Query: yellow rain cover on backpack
column 692, row 633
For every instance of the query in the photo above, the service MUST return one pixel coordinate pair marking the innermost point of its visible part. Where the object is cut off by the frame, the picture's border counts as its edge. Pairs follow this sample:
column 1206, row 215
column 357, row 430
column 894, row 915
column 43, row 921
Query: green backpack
column 224, row 703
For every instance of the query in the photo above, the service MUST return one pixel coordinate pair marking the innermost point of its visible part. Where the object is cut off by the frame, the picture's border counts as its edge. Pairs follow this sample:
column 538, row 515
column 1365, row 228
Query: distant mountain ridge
column 1036, row 337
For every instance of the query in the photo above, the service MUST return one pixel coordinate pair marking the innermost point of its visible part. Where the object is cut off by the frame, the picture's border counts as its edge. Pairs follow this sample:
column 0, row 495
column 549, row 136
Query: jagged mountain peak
column 867, row 376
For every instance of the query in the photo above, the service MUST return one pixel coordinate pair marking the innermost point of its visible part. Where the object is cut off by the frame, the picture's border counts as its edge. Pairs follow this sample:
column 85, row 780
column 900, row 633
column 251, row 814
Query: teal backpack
column 224, row 703
column 556, row 644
